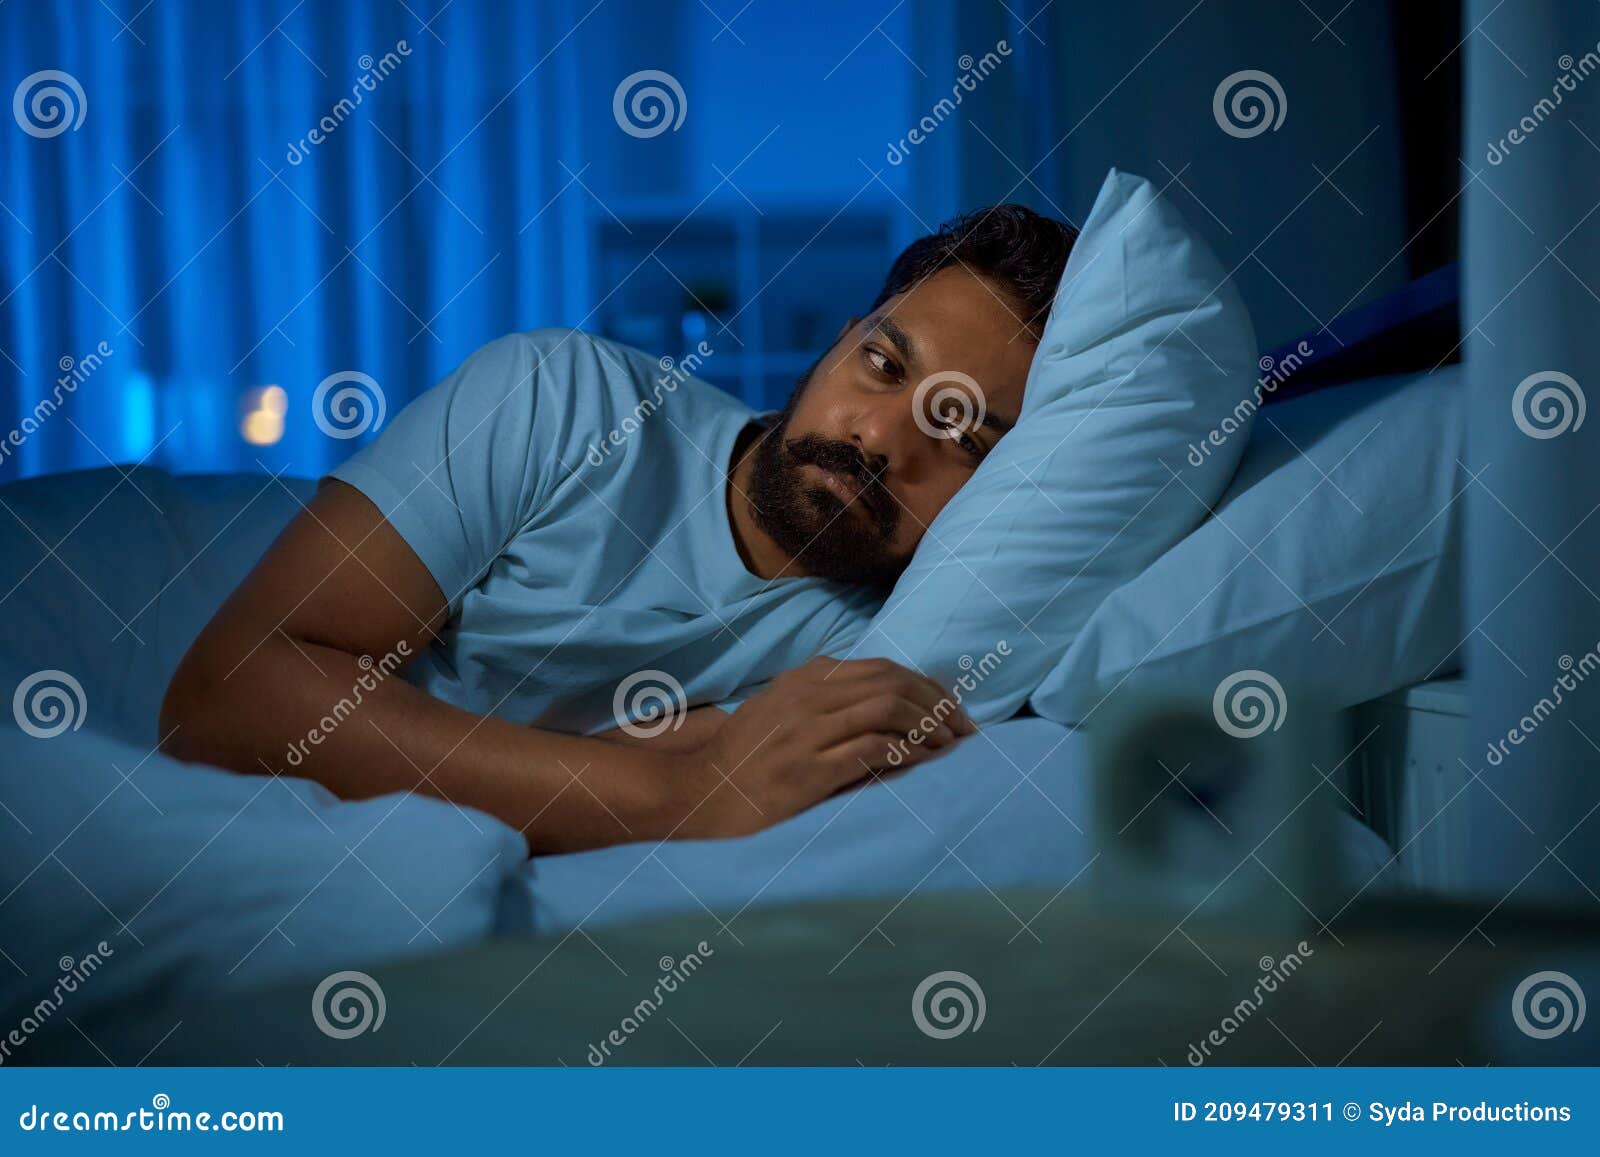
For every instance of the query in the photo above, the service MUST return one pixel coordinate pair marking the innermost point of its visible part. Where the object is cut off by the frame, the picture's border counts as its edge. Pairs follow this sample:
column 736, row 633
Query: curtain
column 1000, row 62
column 201, row 201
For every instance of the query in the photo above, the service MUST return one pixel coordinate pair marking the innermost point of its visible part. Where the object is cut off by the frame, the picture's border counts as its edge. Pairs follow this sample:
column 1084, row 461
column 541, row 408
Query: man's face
column 888, row 424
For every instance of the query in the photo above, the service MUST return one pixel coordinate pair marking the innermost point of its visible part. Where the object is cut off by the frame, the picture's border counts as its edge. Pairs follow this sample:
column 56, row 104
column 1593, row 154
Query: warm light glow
column 262, row 421
column 261, row 428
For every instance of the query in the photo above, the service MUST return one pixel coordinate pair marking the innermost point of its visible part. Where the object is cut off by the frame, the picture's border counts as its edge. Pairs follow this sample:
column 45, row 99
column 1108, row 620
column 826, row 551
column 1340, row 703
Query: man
column 552, row 543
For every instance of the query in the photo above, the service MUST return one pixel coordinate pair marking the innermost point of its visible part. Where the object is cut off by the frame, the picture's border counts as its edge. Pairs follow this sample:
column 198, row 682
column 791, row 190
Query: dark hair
column 1022, row 251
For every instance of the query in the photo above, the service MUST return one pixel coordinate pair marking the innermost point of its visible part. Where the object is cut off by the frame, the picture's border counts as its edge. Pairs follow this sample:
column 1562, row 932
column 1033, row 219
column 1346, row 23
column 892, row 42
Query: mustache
column 843, row 459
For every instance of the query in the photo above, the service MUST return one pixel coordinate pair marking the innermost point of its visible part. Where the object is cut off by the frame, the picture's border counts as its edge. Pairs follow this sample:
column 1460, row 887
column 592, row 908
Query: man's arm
column 698, row 728
column 340, row 590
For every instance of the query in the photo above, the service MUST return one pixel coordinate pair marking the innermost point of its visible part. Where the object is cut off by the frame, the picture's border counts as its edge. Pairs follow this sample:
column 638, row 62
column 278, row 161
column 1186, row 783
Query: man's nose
column 887, row 436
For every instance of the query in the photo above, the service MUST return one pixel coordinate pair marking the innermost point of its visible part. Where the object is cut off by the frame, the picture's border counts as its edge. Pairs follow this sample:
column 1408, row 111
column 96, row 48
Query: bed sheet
column 1011, row 807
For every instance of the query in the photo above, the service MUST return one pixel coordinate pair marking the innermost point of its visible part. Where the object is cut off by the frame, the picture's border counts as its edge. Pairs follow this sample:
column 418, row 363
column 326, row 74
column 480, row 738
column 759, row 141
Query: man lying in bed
column 558, row 527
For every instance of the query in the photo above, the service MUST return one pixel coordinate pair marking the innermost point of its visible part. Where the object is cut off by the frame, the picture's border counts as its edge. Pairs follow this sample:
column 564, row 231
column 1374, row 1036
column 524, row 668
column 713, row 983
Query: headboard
column 1415, row 328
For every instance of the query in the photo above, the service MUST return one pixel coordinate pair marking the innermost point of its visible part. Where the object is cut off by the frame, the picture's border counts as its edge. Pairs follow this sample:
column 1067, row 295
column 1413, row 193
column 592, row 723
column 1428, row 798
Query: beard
column 812, row 525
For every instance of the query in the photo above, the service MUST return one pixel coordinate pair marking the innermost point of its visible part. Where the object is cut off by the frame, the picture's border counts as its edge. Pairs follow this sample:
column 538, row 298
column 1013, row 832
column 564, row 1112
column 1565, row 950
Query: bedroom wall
column 1305, row 250
column 1531, row 251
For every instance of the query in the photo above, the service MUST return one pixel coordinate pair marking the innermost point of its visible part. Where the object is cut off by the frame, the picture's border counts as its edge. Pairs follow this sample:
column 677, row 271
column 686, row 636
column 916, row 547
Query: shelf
column 790, row 276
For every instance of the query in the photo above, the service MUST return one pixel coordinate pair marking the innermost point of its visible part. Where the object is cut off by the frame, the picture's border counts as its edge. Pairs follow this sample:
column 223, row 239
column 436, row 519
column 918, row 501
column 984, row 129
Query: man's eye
column 953, row 432
column 960, row 438
column 880, row 363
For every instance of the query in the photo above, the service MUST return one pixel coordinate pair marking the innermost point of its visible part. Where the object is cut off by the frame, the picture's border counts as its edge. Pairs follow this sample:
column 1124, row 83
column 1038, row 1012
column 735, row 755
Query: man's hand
column 814, row 731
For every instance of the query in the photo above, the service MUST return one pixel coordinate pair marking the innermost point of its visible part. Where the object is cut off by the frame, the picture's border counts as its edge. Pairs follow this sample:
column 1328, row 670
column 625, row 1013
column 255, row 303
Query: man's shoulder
column 574, row 361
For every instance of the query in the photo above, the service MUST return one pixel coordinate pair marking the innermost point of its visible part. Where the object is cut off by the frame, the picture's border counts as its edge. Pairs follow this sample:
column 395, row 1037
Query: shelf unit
column 778, row 282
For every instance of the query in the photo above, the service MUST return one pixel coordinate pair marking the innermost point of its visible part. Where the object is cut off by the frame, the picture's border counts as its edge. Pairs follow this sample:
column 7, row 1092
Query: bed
column 198, row 886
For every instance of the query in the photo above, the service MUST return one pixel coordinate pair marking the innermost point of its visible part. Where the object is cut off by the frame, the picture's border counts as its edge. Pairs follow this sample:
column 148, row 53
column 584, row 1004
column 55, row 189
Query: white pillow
column 1147, row 350
column 1333, row 563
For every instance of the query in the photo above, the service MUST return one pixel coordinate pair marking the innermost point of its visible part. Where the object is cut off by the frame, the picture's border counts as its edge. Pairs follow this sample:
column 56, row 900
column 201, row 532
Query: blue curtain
column 233, row 196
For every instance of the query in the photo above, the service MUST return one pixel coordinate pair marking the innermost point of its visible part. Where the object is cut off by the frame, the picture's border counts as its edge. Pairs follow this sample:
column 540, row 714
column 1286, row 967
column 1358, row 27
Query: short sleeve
column 852, row 610
column 458, row 471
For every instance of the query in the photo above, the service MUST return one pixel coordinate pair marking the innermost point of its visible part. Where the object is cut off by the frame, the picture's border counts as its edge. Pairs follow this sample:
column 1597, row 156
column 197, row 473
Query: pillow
column 1147, row 350
column 1333, row 562
column 172, row 881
